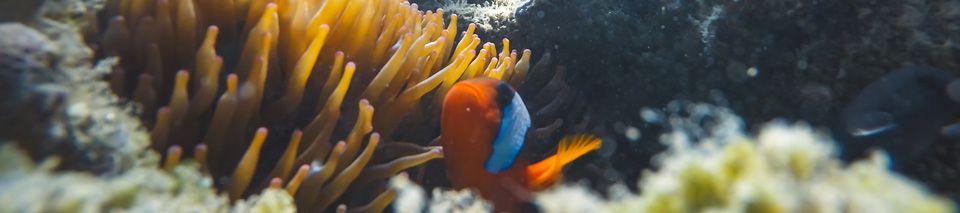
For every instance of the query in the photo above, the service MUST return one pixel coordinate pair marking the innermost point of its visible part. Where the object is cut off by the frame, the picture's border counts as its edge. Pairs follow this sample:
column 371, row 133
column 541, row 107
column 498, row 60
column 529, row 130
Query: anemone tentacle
column 216, row 74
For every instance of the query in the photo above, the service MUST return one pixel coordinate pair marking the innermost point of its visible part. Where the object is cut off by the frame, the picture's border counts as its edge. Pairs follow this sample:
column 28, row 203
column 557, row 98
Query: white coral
column 486, row 15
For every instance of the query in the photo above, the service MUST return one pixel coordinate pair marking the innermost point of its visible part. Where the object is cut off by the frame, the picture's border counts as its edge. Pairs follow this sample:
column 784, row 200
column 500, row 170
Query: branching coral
column 280, row 64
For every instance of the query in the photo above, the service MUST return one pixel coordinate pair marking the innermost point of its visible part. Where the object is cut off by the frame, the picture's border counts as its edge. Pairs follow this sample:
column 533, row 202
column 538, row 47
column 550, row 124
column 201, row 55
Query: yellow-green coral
column 37, row 188
column 32, row 188
column 270, row 200
column 786, row 168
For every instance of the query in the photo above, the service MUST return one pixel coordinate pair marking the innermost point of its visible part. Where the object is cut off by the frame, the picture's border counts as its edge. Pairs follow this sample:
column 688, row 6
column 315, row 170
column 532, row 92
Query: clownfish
column 483, row 125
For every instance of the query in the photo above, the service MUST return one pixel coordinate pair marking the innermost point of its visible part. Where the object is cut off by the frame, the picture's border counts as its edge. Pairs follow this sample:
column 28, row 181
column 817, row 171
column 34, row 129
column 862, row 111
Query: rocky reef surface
column 56, row 100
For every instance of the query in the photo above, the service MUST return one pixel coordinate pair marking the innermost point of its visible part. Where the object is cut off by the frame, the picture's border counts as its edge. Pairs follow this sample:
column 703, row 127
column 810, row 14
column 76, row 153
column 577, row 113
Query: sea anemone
column 284, row 69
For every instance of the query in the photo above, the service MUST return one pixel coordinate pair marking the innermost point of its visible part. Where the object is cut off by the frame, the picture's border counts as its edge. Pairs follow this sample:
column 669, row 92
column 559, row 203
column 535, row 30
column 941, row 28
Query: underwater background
column 701, row 105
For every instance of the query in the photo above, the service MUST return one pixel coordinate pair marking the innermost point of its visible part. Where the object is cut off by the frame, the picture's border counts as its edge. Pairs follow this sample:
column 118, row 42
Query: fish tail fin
column 544, row 173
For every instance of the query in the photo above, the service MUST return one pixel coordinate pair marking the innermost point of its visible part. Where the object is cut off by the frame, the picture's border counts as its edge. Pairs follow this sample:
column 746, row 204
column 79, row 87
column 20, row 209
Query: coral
column 570, row 198
column 411, row 196
column 136, row 190
column 270, row 200
column 180, row 189
column 414, row 199
column 785, row 168
column 489, row 15
column 287, row 65
column 458, row 201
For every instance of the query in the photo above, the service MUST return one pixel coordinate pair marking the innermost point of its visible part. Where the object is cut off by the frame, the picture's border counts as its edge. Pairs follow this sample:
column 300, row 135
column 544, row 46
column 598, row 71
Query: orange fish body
column 481, row 123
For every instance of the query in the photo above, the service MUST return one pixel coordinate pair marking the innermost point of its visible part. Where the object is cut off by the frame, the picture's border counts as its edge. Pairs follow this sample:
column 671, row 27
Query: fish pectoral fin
column 544, row 173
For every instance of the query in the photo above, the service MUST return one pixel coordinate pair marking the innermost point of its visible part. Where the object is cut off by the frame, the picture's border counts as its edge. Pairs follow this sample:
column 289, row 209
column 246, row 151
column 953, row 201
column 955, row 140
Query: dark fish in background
column 953, row 131
column 904, row 113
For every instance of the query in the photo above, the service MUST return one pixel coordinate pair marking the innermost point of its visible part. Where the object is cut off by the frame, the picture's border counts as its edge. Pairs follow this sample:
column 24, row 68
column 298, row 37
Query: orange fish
column 483, row 126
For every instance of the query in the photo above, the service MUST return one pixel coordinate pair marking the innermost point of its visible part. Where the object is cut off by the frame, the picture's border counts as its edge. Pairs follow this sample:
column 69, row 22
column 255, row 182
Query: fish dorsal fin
column 514, row 123
column 544, row 173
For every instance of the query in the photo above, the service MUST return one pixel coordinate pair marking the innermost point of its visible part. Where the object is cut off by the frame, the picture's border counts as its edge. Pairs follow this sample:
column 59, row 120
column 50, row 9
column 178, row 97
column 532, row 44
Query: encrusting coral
column 283, row 64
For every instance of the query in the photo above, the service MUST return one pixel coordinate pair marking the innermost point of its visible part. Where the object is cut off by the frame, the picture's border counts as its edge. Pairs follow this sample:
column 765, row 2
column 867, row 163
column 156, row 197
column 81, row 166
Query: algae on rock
column 58, row 103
